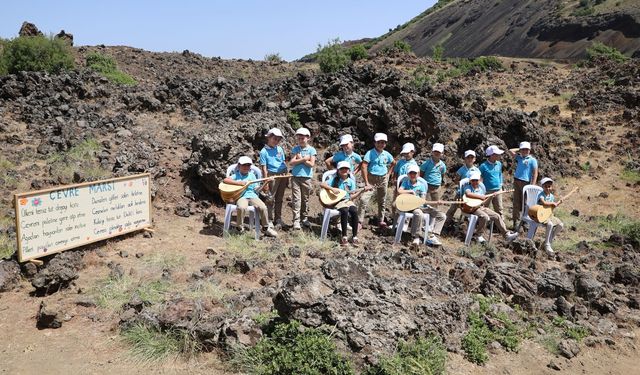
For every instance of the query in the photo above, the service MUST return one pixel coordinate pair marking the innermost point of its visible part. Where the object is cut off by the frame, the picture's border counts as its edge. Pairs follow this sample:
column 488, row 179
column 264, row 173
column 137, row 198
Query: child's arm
column 309, row 160
column 469, row 194
column 405, row 191
column 329, row 162
column 231, row 181
column 512, row 152
column 329, row 187
column 534, row 176
column 547, row 204
column 393, row 164
column 365, row 174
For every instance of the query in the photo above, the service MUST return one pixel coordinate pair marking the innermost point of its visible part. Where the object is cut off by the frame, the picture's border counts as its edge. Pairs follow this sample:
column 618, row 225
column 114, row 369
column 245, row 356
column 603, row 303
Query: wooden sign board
column 53, row 220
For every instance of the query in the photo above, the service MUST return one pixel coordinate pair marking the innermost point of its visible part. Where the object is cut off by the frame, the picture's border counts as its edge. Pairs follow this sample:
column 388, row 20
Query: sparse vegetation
column 112, row 292
column 421, row 357
column 151, row 344
column 438, row 52
column 107, row 67
column 601, row 50
column 358, row 52
column 332, row 56
column 294, row 120
column 79, row 158
column 35, row 53
column 421, row 77
column 273, row 57
column 7, row 246
column 292, row 349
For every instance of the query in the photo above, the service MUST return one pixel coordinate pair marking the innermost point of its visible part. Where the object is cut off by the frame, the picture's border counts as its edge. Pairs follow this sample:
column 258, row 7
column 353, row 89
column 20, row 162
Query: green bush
column 402, row 46
column 438, row 52
column 424, row 356
column 273, row 57
column 294, row 120
column 632, row 231
column 107, row 67
column 151, row 344
column 358, row 52
column 332, row 56
column 421, row 77
column 290, row 349
column 598, row 49
column 35, row 53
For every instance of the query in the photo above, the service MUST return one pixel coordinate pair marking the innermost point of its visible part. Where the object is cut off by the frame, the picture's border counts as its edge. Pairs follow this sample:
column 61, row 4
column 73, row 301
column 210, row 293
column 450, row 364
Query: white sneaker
column 306, row 223
column 415, row 243
column 549, row 250
column 510, row 236
column 296, row 226
column 480, row 239
column 270, row 232
column 433, row 240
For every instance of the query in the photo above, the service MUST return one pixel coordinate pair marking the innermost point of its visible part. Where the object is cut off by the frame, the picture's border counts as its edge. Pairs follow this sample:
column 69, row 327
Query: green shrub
column 402, row 46
column 294, row 120
column 438, row 52
column 151, row 344
column 632, row 231
column 598, row 49
column 35, row 53
column 292, row 349
column 332, row 56
column 358, row 52
column 421, row 77
column 273, row 57
column 107, row 67
column 424, row 356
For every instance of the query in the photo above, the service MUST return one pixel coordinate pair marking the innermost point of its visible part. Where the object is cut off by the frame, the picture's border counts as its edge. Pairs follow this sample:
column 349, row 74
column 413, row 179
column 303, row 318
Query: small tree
column 598, row 49
column 273, row 57
column 402, row 46
column 36, row 53
column 438, row 52
column 358, row 52
column 332, row 56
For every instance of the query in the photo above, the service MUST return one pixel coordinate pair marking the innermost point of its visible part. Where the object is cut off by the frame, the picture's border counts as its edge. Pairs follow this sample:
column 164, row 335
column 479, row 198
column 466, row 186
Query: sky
column 245, row 29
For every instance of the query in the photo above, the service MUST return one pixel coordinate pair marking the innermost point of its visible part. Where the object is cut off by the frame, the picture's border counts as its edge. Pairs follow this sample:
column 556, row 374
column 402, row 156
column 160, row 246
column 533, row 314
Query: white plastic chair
column 328, row 212
column 531, row 193
column 473, row 219
column 403, row 219
column 254, row 216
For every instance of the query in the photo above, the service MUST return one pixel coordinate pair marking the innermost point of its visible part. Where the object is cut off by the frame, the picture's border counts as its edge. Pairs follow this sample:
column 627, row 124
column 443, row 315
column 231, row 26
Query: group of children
column 377, row 168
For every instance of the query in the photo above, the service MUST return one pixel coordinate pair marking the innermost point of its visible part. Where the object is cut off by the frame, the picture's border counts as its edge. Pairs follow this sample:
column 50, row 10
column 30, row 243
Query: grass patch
column 423, row 356
column 292, row 349
column 205, row 290
column 165, row 260
column 264, row 317
column 79, row 158
column 601, row 50
column 560, row 328
column 107, row 67
column 113, row 292
column 150, row 344
column 7, row 246
column 630, row 176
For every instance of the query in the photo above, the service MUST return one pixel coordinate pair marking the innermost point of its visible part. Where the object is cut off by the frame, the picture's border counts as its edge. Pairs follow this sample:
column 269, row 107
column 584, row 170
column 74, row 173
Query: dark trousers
column 349, row 215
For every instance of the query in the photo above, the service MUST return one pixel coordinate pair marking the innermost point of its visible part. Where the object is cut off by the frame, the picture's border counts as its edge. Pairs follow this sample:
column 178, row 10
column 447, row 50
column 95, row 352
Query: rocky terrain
column 189, row 117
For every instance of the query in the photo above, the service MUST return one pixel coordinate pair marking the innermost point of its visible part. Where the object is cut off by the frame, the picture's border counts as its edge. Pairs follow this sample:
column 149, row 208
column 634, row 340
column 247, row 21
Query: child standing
column 376, row 167
column 526, row 174
column 273, row 163
column 302, row 161
column 491, row 172
column 463, row 172
column 554, row 225
column 242, row 177
column 348, row 211
column 346, row 154
column 433, row 170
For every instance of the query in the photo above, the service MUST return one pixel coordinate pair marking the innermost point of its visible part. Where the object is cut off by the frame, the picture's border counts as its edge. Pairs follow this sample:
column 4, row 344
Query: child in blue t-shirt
column 433, row 171
column 463, row 172
column 303, row 159
column 377, row 165
column 526, row 173
column 402, row 165
column 554, row 225
column 273, row 163
column 491, row 171
column 345, row 154
column 342, row 180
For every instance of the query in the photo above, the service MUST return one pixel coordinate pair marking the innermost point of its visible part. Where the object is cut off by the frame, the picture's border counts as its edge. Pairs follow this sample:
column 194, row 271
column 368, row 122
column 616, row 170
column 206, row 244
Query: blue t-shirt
column 433, row 172
column 378, row 162
column 465, row 172
column 302, row 170
column 402, row 165
column 525, row 167
column 347, row 185
column 479, row 190
column 273, row 158
column 250, row 192
column 491, row 175
column 546, row 198
column 419, row 187
column 354, row 159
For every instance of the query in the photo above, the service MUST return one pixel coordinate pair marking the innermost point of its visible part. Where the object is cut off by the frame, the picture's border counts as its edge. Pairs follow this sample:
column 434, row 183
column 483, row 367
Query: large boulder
column 29, row 29
column 58, row 273
column 9, row 275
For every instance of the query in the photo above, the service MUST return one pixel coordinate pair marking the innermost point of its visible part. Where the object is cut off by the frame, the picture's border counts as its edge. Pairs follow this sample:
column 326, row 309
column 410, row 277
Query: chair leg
column 326, row 219
column 227, row 219
column 399, row 227
column 532, row 230
column 427, row 227
column 256, row 223
column 490, row 232
column 473, row 219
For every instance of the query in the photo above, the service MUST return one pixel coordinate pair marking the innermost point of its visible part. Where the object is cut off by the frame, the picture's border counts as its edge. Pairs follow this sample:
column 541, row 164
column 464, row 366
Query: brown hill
column 517, row 28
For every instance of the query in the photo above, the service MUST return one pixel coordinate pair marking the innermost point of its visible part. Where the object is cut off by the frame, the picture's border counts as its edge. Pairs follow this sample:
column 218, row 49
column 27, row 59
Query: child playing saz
column 348, row 211
column 554, row 225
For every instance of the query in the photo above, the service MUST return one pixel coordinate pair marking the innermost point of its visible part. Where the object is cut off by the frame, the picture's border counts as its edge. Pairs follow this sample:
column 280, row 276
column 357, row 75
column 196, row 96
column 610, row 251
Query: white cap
column 525, row 145
column 469, row 152
column 303, row 131
column 545, row 180
column 474, row 176
column 244, row 160
column 344, row 164
column 407, row 147
column 380, row 137
column 493, row 150
column 345, row 139
column 274, row 131
column 438, row 147
column 413, row 168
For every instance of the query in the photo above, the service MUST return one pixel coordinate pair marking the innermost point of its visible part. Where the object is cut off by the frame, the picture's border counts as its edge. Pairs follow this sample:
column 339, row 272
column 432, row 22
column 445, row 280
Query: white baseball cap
column 469, row 152
column 407, row 147
column 344, row 164
column 438, row 147
column 303, row 131
column 474, row 176
column 345, row 139
column 274, row 131
column 413, row 168
column 525, row 145
column 380, row 137
column 493, row 150
column 545, row 180
column 244, row 160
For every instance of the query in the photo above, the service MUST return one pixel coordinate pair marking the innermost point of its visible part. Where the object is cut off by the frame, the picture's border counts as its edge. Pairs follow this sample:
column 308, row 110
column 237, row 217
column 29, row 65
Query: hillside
column 556, row 29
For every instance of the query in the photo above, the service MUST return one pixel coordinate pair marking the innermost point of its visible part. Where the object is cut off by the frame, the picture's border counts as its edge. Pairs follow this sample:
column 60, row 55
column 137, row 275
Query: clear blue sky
column 226, row 28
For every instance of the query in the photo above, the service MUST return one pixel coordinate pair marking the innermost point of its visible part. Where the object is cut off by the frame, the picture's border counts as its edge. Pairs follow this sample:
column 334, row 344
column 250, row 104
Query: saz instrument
column 231, row 193
column 541, row 214
column 470, row 205
column 329, row 199
column 409, row 202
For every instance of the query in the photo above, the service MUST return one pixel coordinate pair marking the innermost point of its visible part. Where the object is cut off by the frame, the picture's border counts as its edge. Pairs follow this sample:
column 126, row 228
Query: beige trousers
column 497, row 203
column 277, row 188
column 380, row 190
column 485, row 215
column 300, row 191
column 261, row 208
column 418, row 221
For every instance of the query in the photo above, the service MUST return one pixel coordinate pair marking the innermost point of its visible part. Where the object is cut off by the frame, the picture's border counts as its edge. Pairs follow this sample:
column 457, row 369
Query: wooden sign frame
column 18, row 196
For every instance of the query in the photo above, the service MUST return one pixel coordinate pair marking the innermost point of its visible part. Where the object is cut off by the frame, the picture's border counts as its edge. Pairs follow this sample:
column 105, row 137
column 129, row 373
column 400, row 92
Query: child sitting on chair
column 242, row 177
column 348, row 211
column 554, row 225
column 412, row 185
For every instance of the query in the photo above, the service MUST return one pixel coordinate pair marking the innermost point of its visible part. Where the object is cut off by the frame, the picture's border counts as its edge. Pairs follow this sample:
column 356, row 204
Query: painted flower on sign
column 35, row 202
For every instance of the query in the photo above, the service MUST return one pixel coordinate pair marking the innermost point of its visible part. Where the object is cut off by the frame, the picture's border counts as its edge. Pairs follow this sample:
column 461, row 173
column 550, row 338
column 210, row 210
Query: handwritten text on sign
column 50, row 221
